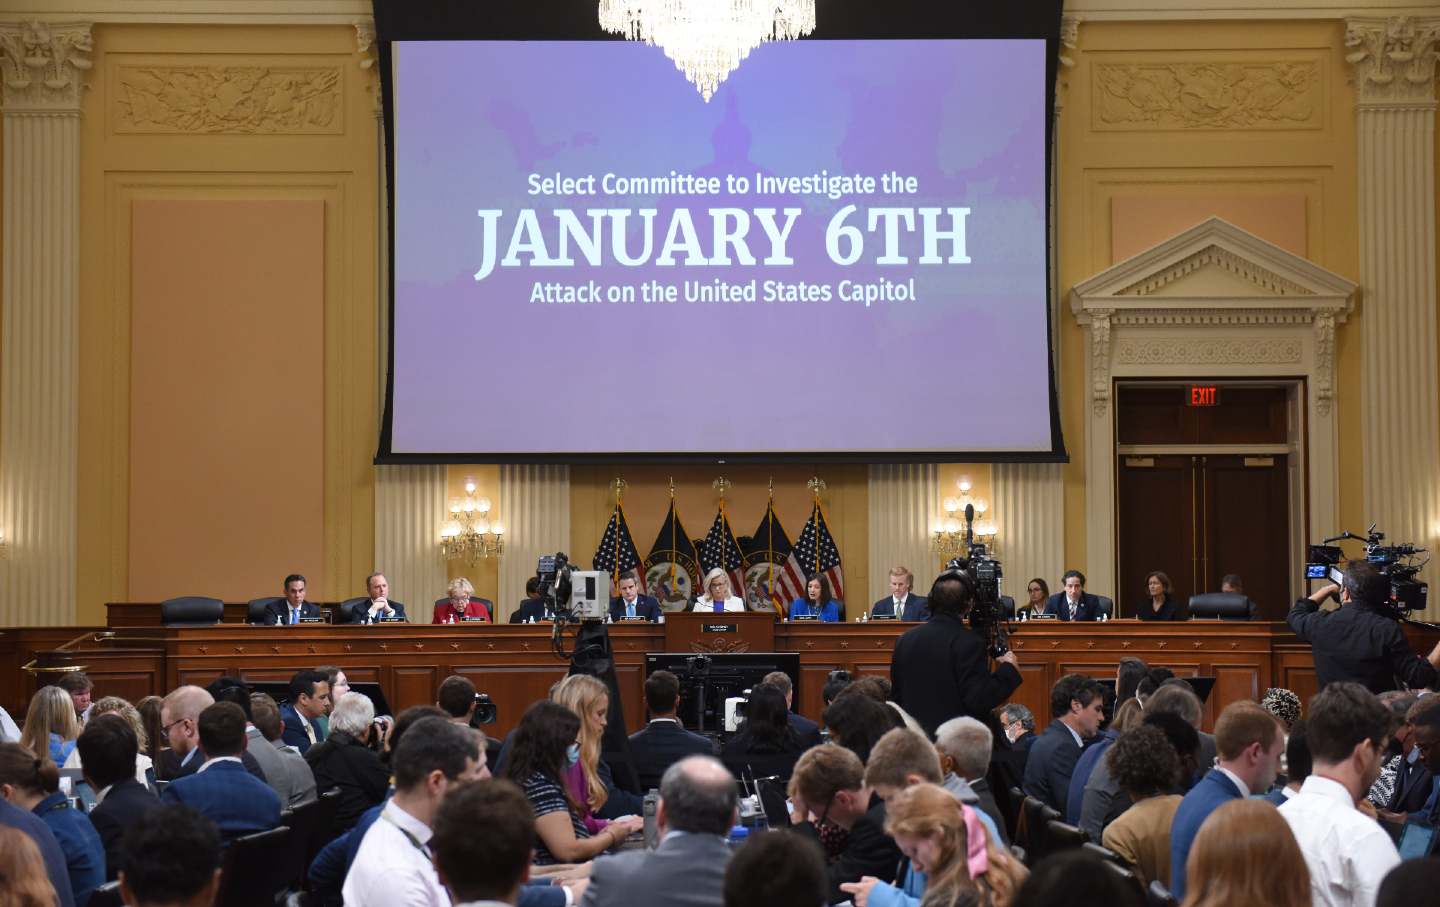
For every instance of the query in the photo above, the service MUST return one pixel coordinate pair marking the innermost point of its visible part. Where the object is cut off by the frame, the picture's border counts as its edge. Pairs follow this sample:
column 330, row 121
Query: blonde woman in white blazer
column 718, row 592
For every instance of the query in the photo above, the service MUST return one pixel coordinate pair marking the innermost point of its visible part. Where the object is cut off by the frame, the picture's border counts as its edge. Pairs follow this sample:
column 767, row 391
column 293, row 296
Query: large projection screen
column 842, row 254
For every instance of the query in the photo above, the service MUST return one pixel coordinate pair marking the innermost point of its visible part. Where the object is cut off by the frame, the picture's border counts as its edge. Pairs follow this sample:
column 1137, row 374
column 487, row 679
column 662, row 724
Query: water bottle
column 738, row 836
column 652, row 831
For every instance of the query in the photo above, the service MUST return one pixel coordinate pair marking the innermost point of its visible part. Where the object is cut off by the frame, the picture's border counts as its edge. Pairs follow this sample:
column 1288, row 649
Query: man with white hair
column 964, row 746
column 344, row 760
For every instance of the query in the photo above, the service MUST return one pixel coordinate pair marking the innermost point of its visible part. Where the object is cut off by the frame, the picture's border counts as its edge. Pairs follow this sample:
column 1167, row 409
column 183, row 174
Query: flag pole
column 619, row 486
column 674, row 551
column 770, row 542
column 816, row 485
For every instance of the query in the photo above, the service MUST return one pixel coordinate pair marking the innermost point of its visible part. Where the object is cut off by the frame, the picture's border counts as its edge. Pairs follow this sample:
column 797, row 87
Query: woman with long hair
column 945, row 840
column 819, row 602
column 718, row 595
column 1037, row 591
column 132, row 716
column 765, row 745
column 546, row 744
column 50, row 724
column 1159, row 603
column 149, row 709
column 1246, row 856
column 32, row 783
column 588, row 698
column 22, row 871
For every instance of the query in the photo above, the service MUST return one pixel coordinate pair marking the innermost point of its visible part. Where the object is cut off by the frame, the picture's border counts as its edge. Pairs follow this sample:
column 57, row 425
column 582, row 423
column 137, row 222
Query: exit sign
column 1204, row 395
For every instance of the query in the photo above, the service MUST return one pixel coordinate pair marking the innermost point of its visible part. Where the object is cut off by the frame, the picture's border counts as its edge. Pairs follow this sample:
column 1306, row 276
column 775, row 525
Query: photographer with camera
column 939, row 670
column 1357, row 641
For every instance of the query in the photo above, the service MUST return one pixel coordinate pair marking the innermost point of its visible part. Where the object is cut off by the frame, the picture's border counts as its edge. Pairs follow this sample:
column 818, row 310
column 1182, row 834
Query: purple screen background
column 480, row 369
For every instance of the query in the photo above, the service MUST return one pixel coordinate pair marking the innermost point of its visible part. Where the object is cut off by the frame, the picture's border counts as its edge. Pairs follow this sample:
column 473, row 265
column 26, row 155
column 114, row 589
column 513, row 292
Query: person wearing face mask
column 1019, row 725
column 544, row 749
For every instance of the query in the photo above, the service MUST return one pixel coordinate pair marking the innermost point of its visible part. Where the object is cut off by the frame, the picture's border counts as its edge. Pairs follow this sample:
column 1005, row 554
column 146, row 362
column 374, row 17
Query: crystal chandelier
column 469, row 534
column 707, row 39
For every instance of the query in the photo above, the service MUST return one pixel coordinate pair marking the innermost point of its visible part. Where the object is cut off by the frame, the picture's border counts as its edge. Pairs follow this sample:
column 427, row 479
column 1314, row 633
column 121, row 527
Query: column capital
column 41, row 65
column 1394, row 59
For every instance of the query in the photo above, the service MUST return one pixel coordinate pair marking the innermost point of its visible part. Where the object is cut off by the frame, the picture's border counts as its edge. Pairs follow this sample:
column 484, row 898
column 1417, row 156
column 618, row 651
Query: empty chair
column 325, row 830
column 304, row 822
column 1106, row 609
column 1222, row 605
column 254, row 869
column 1037, row 816
column 1062, row 836
column 191, row 611
column 255, row 611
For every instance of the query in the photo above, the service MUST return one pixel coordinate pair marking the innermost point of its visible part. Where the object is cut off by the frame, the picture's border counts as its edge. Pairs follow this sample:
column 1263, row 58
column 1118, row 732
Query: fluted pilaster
column 1394, row 68
column 536, row 502
column 409, row 511
column 904, row 498
column 40, row 67
column 1029, row 523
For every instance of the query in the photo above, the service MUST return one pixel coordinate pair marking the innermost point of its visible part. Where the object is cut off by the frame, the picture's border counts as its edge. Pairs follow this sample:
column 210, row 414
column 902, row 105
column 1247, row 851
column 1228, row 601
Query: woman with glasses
column 718, row 595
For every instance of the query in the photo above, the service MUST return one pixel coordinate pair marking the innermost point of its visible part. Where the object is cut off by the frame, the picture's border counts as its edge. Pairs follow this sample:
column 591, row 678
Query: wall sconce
column 949, row 533
column 469, row 534
column 4, row 547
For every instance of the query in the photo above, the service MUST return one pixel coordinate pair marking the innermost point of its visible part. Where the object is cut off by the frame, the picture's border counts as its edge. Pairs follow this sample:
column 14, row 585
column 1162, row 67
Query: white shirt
column 390, row 870
column 9, row 731
column 706, row 603
column 1347, row 852
column 210, row 762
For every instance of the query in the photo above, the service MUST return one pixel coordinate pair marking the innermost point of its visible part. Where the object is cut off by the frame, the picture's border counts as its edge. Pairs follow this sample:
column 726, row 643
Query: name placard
column 719, row 628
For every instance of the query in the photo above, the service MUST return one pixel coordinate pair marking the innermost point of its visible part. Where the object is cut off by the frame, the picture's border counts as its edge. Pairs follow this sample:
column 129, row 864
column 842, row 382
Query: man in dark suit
column 533, row 607
column 309, row 694
column 829, row 782
column 293, row 606
column 664, row 741
column 179, row 719
column 1076, row 710
column 377, row 605
column 108, row 748
column 221, row 789
column 630, row 603
column 1019, row 726
column 805, row 729
column 1074, row 603
column 965, row 745
column 34, row 828
column 900, row 603
column 940, row 670
column 1415, row 779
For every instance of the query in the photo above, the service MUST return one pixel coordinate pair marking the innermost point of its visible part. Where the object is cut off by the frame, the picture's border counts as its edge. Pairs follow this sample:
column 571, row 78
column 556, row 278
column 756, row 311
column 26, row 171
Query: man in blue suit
column 900, row 603
column 293, row 607
column 1074, row 603
column 222, row 790
column 533, row 607
column 1249, row 742
column 664, row 741
column 1076, row 710
column 631, row 604
column 309, row 695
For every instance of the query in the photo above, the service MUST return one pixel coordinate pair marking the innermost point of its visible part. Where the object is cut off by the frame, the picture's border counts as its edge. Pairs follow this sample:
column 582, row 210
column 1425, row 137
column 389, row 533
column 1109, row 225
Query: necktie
column 629, row 609
column 1072, row 610
column 309, row 730
column 898, row 607
column 293, row 616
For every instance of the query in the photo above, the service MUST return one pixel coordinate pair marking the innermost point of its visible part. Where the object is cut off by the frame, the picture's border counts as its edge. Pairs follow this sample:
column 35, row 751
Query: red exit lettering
column 1204, row 395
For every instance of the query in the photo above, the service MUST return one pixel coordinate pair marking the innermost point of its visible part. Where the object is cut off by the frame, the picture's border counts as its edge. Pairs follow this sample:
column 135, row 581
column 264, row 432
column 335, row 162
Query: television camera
column 1395, row 562
column 987, row 615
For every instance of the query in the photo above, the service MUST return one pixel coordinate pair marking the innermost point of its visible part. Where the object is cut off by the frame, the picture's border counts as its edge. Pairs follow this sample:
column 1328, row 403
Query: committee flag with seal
column 617, row 552
column 720, row 549
column 672, row 569
column 814, row 552
column 765, row 554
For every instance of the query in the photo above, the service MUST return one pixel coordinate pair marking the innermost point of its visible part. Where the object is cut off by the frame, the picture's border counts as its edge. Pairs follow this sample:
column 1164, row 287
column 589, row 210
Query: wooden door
column 1156, row 526
column 1245, row 527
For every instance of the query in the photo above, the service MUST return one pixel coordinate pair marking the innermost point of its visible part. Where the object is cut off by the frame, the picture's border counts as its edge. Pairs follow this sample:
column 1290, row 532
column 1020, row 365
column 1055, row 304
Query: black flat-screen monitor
column 722, row 677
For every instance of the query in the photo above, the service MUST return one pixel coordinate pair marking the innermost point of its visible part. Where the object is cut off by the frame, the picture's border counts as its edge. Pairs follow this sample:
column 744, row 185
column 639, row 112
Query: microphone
column 969, row 524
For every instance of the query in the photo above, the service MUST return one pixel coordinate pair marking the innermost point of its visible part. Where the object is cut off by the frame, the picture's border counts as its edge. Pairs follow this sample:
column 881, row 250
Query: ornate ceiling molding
column 41, row 65
column 1225, row 260
column 1394, row 59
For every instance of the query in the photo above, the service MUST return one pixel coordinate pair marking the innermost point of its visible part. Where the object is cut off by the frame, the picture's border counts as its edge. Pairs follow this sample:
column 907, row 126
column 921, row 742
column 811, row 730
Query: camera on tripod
column 570, row 594
column 1394, row 562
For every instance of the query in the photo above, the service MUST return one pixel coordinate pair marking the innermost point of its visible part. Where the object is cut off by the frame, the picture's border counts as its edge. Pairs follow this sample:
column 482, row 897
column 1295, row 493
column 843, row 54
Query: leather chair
column 325, row 830
column 107, row 895
column 255, row 611
column 348, row 606
column 1062, row 836
column 1106, row 609
column 191, row 611
column 254, row 869
column 1037, row 815
column 490, row 609
column 1157, row 895
column 1222, row 606
column 304, row 822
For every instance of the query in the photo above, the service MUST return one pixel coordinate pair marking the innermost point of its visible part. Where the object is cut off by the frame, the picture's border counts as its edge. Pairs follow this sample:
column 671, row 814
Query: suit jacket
column 294, row 733
column 361, row 612
column 34, row 828
column 868, row 851
column 1089, row 606
column 294, row 786
column 939, row 671
column 1213, row 791
column 1025, row 741
column 1089, row 758
column 646, row 606
column 1412, row 787
column 184, row 769
column 1050, row 764
column 807, row 730
column 345, row 763
column 84, row 852
column 529, row 608
column 659, row 745
column 686, row 870
column 915, row 608
column 476, row 607
column 127, row 801
column 232, row 798
column 279, row 612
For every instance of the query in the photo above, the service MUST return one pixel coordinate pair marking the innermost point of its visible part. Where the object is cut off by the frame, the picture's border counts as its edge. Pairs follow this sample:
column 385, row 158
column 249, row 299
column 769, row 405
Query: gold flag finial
column 772, row 488
column 722, row 485
column 672, row 488
column 816, row 485
column 619, row 485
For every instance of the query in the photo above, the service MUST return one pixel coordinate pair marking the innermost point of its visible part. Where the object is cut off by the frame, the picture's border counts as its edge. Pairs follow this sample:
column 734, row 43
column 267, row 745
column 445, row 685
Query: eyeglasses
column 165, row 728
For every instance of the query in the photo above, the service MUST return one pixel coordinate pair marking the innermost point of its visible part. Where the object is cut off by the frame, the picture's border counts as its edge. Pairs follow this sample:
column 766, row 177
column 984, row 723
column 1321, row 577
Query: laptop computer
column 1417, row 840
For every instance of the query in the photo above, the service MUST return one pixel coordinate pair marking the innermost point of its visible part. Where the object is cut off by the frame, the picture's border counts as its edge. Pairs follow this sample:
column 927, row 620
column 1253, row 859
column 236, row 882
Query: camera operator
column 939, row 669
column 1356, row 641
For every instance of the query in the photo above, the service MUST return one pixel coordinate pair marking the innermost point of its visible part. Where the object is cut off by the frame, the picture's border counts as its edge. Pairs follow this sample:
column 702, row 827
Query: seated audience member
column 380, row 606
column 777, row 868
column 880, row 689
column 1159, row 604
column 1298, row 764
column 1076, row 709
column 460, row 603
column 900, row 603
column 1348, row 853
column 81, row 688
column 32, row 783
column 533, row 607
column 344, row 760
column 1403, row 770
column 144, row 766
column 1075, row 877
column 291, row 609
column 664, row 740
column 1249, row 742
column 1074, row 603
column 951, row 862
column 1147, row 768
column 234, row 690
column 1128, row 674
column 173, row 859
column 22, row 872
column 47, row 857
column 1095, row 750
column 697, row 809
column 835, row 684
column 828, row 786
column 107, row 755
column 339, row 686
column 179, row 712
column 1128, row 714
column 857, row 722
column 149, row 709
column 630, row 604
column 546, row 745
column 805, row 729
column 965, row 745
column 1412, row 882
column 456, row 698
column 9, row 730
column 50, row 724
column 309, row 700
column 1424, row 717
column 221, row 790
column 904, row 758
column 819, row 602
column 291, row 777
column 1245, row 854
column 483, row 862
column 1151, row 682
column 717, row 595
column 1019, row 726
column 766, row 744
column 1283, row 704
column 591, row 780
column 393, row 864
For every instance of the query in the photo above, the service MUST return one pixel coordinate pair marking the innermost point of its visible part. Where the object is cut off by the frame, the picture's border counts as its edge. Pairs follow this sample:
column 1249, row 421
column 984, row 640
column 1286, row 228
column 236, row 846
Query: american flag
column 815, row 552
column 617, row 552
column 719, row 549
